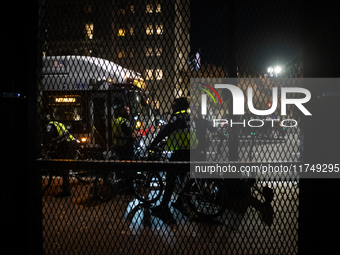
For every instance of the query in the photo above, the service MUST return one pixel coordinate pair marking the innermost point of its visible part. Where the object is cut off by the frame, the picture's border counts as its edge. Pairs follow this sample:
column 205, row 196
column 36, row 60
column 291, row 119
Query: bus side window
column 95, row 83
column 92, row 82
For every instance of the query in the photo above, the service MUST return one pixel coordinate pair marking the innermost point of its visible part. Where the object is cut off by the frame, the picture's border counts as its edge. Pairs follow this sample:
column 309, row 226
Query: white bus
column 80, row 92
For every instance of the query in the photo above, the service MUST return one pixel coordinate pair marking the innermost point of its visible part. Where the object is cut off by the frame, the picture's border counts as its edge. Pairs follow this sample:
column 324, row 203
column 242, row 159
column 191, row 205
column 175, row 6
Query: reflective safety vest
column 182, row 138
column 119, row 138
column 63, row 133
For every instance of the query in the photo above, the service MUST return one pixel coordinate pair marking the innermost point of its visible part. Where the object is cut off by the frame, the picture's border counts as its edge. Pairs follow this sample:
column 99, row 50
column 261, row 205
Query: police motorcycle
column 236, row 194
column 208, row 199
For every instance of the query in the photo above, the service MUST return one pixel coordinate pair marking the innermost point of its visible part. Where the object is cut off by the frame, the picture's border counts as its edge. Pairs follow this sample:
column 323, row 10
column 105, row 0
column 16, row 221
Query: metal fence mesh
column 99, row 196
column 84, row 224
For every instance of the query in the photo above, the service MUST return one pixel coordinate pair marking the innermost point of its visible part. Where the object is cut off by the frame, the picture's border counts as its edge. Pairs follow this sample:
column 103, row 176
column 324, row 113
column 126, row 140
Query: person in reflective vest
column 122, row 133
column 181, row 138
column 63, row 134
column 58, row 139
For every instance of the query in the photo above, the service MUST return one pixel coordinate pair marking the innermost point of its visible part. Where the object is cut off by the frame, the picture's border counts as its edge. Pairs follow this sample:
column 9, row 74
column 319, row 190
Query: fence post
column 21, row 201
column 319, row 210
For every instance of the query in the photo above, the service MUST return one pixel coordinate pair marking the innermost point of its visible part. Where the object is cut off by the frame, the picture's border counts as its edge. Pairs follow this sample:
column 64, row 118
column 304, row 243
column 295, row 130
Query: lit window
column 121, row 32
column 158, row 51
column 149, row 52
column 149, row 8
column 121, row 9
column 89, row 30
column 132, row 8
column 159, row 29
column 149, row 30
column 148, row 74
column 132, row 53
column 156, row 104
column 158, row 8
column 121, row 54
column 159, row 74
column 131, row 31
column 88, row 8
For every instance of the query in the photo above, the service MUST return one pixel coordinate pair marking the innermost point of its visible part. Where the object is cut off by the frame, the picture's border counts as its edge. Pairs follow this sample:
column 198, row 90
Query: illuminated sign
column 65, row 100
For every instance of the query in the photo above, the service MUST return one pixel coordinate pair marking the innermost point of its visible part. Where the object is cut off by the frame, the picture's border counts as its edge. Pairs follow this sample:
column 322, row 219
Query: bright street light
column 275, row 70
column 270, row 70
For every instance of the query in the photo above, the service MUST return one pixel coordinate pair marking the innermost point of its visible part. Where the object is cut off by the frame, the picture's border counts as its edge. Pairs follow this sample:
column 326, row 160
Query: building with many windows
column 147, row 36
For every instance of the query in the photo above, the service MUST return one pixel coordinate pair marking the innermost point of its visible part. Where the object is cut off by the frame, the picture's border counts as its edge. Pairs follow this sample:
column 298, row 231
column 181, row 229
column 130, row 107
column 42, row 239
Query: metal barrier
column 99, row 58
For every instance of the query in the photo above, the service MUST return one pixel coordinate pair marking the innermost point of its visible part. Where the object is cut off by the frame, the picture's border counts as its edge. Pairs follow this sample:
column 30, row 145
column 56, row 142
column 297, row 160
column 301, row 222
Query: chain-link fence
column 117, row 104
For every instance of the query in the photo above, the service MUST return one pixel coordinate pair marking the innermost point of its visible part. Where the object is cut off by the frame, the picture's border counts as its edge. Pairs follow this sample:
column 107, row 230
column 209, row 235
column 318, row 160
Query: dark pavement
column 80, row 224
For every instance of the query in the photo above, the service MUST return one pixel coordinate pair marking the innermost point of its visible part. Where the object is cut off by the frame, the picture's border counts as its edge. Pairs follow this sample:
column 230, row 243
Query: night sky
column 266, row 32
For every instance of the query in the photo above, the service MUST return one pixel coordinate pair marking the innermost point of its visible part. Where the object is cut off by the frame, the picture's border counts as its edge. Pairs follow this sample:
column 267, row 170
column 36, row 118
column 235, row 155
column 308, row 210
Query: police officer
column 123, row 134
column 179, row 142
column 58, row 138
column 201, row 126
